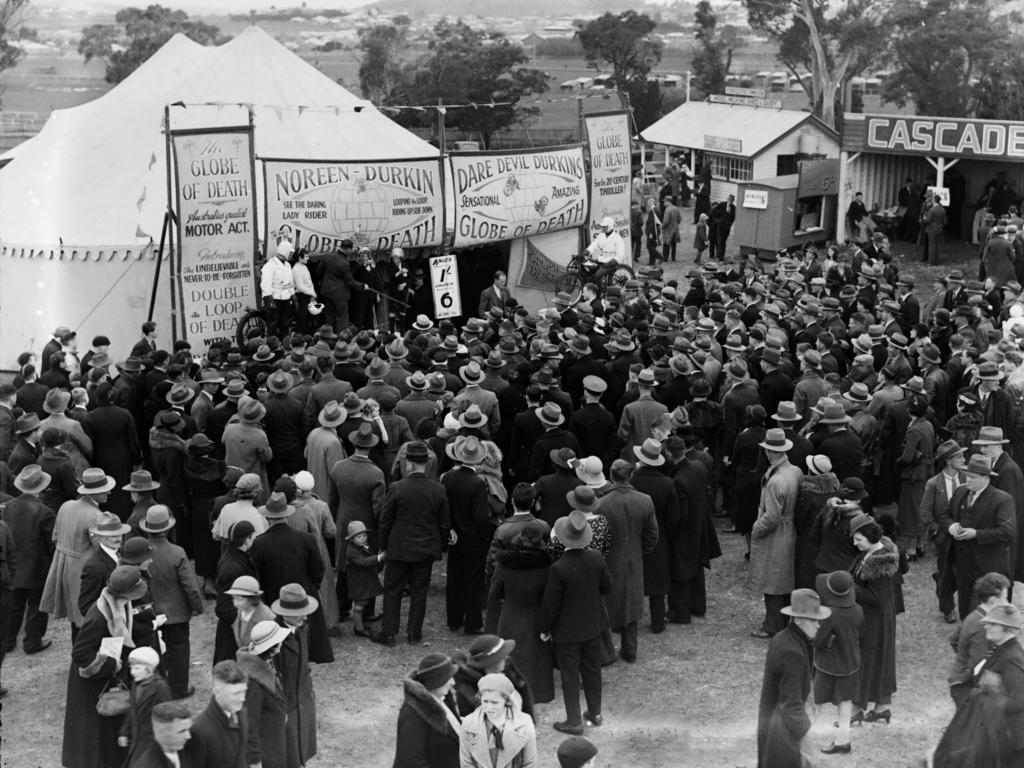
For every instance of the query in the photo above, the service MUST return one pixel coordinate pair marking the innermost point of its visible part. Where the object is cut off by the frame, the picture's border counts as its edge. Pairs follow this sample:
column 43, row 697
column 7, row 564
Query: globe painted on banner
column 524, row 202
column 359, row 212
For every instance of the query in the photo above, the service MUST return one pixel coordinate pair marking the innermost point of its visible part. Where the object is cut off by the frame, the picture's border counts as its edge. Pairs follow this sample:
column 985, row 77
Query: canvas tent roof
column 756, row 128
column 95, row 177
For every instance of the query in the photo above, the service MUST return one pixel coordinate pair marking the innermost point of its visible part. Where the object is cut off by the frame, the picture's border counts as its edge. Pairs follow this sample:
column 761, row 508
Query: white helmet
column 608, row 222
column 396, row 251
column 315, row 307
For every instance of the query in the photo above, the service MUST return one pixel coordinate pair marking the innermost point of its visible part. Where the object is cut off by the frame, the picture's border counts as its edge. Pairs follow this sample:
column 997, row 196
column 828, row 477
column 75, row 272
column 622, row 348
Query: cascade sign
column 933, row 136
column 610, row 190
column 216, row 199
column 378, row 203
column 507, row 195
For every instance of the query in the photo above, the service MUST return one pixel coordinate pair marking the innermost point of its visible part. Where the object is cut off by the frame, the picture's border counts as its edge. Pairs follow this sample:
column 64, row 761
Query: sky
column 203, row 6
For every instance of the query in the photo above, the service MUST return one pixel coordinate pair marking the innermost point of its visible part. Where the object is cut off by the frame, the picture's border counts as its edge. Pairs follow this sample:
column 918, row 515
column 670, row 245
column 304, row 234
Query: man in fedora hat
column 554, row 438
column 473, row 394
column 938, row 490
column 357, row 489
column 994, row 403
column 415, row 525
column 842, row 447
column 526, row 427
column 176, row 595
column 773, row 537
column 775, row 386
column 990, row 442
column 376, row 387
column 141, row 487
column 27, row 431
column 572, row 616
column 637, row 416
column 73, row 544
column 782, row 721
column 328, row 388
column 937, row 382
column 594, row 425
column 472, row 529
column 980, row 519
column 210, row 381
column 416, row 406
column 31, row 524
column 245, row 442
column 234, row 389
column 324, row 447
column 287, row 426
column 635, row 534
column 550, row 489
column 108, row 533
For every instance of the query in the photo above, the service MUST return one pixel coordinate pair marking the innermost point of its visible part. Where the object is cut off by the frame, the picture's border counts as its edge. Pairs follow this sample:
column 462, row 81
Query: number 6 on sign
column 444, row 280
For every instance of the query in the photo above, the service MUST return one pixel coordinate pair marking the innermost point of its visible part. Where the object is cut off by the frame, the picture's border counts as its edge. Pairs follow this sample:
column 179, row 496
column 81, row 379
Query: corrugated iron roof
column 692, row 124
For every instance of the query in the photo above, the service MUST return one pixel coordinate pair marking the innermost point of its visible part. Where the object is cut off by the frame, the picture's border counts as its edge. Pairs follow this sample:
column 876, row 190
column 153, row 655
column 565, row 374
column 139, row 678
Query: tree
column 832, row 40
column 140, row 33
column 997, row 95
column 713, row 60
column 381, row 72
column 467, row 66
column 940, row 48
column 12, row 13
column 624, row 41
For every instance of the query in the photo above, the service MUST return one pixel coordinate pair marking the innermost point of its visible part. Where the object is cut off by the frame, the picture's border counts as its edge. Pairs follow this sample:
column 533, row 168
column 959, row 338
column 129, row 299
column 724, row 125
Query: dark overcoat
column 551, row 491
column 662, row 492
column 426, row 738
column 1011, row 480
column 233, row 563
column 215, row 743
column 782, row 721
column 873, row 577
column 265, row 707
column 415, row 520
column 300, row 704
column 95, row 572
column 634, row 533
column 517, row 589
column 115, row 450
column 595, row 429
column 572, row 609
column 814, row 492
column 690, row 540
column 31, row 523
column 283, row 556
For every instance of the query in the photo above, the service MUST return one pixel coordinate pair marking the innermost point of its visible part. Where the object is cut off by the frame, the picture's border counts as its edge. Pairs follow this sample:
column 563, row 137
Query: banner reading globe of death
column 610, row 161
column 508, row 195
column 216, row 200
column 377, row 203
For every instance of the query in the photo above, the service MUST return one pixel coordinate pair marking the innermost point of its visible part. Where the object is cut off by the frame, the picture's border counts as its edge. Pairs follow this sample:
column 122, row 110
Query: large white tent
column 82, row 203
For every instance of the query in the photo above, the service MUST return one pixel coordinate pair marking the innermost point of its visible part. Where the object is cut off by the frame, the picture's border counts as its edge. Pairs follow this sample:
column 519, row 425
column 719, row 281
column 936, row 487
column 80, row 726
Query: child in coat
column 148, row 690
column 363, row 565
column 837, row 652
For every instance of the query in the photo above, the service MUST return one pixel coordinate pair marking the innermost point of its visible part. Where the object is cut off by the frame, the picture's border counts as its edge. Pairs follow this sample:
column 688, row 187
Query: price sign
column 444, row 279
column 942, row 193
column 755, row 198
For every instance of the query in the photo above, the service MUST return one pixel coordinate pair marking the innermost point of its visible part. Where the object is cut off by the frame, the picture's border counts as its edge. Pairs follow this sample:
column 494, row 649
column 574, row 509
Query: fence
column 16, row 127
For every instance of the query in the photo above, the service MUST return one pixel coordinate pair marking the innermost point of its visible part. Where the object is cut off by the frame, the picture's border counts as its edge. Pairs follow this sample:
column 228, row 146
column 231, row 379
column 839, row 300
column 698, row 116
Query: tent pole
column 159, row 262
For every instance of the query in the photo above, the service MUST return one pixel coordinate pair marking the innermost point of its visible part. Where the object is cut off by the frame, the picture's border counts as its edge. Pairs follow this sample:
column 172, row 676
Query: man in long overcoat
column 938, row 490
column 782, row 720
column 287, row 427
column 115, row 446
column 991, row 443
column 356, row 493
column 687, row 594
column 633, row 533
column 773, row 538
column 650, row 480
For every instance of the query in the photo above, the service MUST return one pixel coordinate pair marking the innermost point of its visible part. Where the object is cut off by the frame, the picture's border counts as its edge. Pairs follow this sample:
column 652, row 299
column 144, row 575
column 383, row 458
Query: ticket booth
column 787, row 211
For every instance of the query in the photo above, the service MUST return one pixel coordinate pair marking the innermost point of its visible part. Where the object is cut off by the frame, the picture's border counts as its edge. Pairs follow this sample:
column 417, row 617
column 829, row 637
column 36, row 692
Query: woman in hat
column 428, row 722
column 988, row 727
column 816, row 487
column 837, row 653
column 584, row 499
column 292, row 607
column 168, row 449
column 745, row 454
column 965, row 425
column 204, row 476
column 233, row 565
column 248, row 490
column 517, row 589
column 90, row 740
column 313, row 516
column 73, row 545
column 264, row 696
column 246, row 598
column 498, row 732
column 488, row 655
column 830, row 532
column 873, row 571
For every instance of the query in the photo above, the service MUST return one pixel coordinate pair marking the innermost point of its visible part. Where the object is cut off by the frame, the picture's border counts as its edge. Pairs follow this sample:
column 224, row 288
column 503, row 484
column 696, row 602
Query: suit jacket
column 24, row 453
column 95, row 572
column 992, row 516
column 287, row 427
column 172, row 582
column 337, row 283
column 999, row 411
column 526, row 428
column 572, row 609
column 415, row 519
column 933, row 503
column 846, row 452
column 200, row 411
column 1011, row 481
column 540, row 455
column 492, row 296
column 594, row 427
column 286, row 556
column 471, row 514
column 327, row 389
column 154, row 757
column 915, row 462
column 774, row 388
column 215, row 743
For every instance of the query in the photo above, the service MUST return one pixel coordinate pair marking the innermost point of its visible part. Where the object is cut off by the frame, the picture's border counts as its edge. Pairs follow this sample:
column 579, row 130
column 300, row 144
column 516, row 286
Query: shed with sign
column 788, row 211
column 894, row 159
column 742, row 138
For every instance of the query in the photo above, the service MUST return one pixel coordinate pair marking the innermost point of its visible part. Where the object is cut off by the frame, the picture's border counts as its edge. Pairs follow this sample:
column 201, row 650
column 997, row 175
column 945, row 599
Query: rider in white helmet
column 608, row 249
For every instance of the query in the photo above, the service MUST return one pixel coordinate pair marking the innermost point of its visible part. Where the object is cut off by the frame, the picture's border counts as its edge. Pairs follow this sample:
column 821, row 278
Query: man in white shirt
column 608, row 249
column 277, row 288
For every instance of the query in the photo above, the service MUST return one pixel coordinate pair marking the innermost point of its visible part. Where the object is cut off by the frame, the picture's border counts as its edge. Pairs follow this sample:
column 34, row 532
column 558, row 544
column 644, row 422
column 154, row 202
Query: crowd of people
column 567, row 465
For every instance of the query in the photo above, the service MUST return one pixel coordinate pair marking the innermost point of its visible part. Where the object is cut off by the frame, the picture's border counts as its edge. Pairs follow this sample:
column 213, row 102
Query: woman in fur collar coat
column 428, row 726
column 873, row 572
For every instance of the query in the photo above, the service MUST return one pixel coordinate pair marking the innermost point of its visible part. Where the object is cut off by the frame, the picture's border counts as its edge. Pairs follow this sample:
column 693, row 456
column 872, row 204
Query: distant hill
column 500, row 8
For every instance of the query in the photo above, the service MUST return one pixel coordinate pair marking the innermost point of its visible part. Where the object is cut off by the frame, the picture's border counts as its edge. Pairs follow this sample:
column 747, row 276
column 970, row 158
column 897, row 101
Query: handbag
column 113, row 702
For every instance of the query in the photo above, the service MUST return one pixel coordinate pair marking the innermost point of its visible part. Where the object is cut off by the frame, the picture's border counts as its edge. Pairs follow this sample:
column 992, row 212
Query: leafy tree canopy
column 12, row 13
column 380, row 71
column 139, row 33
column 713, row 59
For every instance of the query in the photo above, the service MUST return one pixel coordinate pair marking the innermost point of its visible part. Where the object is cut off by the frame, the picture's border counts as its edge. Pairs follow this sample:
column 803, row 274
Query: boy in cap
column 577, row 752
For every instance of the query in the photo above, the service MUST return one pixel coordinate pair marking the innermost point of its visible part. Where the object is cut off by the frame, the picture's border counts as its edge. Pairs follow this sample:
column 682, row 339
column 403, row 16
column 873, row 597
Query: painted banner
column 377, row 203
column 610, row 190
column 934, row 136
column 508, row 195
column 539, row 271
column 216, row 201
